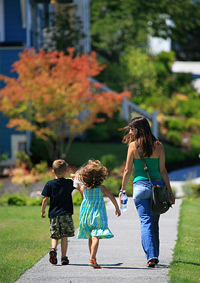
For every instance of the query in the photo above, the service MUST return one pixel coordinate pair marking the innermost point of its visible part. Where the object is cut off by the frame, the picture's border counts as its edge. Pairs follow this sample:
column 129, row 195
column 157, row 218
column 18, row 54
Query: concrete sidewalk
column 121, row 258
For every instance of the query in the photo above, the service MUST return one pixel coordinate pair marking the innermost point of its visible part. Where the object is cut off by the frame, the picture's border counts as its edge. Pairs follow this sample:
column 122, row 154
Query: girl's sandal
column 53, row 256
column 93, row 263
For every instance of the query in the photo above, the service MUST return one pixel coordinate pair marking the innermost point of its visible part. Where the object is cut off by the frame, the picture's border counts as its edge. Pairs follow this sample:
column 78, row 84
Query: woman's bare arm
column 128, row 167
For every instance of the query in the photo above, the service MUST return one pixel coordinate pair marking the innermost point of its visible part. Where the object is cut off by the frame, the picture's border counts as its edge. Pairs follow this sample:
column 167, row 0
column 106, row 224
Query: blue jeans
column 142, row 195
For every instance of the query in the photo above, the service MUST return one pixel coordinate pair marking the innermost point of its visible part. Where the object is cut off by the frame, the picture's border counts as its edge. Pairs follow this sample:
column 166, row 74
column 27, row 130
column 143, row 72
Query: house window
column 22, row 146
column 18, row 143
column 2, row 22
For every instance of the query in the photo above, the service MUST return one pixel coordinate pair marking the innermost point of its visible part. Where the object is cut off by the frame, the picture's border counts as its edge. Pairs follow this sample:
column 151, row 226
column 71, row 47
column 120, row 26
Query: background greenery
column 81, row 151
column 120, row 34
column 116, row 25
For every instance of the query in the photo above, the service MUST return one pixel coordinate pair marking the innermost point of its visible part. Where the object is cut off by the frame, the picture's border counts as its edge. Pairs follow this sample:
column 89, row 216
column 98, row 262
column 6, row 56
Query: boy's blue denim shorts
column 61, row 226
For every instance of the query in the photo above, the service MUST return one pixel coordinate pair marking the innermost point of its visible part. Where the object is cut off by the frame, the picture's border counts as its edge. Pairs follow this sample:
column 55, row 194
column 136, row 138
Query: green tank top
column 153, row 168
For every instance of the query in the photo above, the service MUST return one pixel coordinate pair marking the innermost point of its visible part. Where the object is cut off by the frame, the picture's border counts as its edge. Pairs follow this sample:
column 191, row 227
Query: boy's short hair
column 59, row 166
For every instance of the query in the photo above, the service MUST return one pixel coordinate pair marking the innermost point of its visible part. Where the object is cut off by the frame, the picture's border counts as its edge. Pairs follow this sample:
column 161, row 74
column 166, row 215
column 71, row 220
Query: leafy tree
column 65, row 30
column 116, row 25
column 154, row 87
column 139, row 75
column 53, row 98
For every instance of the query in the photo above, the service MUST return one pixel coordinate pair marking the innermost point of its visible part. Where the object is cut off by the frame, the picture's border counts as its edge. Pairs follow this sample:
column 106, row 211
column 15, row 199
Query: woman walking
column 153, row 152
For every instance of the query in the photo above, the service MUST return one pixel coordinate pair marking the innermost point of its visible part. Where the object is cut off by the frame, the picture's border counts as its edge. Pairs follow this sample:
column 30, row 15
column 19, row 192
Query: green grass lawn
column 185, row 266
column 24, row 239
column 80, row 152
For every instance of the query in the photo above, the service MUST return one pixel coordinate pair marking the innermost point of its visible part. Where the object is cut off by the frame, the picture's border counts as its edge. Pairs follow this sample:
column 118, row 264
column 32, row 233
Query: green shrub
column 113, row 185
column 195, row 190
column 176, row 124
column 174, row 137
column 88, row 151
column 108, row 130
column 16, row 200
column 2, row 200
column 167, row 59
column 4, row 156
column 77, row 198
column 195, row 142
column 23, row 160
column 34, row 202
column 110, row 161
column 39, row 150
column 187, row 189
column 40, row 168
column 99, row 133
column 191, row 190
column 47, row 177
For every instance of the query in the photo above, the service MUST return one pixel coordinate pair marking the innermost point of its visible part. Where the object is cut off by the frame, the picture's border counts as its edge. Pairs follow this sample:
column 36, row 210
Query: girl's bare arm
column 112, row 198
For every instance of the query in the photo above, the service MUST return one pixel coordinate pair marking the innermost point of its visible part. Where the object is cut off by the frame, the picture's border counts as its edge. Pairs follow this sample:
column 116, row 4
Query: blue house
column 22, row 23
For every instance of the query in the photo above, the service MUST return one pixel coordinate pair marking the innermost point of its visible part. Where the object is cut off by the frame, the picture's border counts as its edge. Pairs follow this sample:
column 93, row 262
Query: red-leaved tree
column 52, row 96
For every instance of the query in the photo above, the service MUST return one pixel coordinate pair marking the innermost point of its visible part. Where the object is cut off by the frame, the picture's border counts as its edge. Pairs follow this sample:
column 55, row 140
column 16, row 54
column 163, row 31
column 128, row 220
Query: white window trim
column 15, row 140
column 23, row 12
column 2, row 22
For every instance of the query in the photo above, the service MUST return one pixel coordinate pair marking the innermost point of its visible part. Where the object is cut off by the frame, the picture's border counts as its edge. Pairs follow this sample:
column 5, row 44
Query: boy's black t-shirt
column 59, row 190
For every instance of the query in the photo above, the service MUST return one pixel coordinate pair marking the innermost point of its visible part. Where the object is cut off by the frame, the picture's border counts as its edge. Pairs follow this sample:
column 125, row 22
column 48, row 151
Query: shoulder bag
column 161, row 199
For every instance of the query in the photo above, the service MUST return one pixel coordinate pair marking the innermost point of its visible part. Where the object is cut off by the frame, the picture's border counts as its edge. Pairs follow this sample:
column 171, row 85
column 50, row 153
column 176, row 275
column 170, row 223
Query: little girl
column 93, row 218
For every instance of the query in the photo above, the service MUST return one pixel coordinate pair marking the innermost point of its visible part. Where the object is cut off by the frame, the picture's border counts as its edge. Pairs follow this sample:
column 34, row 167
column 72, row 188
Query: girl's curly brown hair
column 92, row 174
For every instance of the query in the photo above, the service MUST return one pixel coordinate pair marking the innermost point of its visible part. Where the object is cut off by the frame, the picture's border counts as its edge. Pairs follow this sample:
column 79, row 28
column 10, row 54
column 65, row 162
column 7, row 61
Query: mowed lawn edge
column 24, row 239
column 185, row 265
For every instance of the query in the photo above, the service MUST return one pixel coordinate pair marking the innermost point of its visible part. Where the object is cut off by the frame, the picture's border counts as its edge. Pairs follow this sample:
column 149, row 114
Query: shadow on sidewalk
column 118, row 266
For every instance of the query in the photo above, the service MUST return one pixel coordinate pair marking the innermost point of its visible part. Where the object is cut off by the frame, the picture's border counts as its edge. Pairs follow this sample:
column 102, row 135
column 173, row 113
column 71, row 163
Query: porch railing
column 128, row 108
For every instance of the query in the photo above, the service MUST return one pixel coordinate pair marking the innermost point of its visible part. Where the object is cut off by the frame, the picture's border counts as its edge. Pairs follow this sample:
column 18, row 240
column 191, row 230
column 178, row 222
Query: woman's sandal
column 93, row 263
column 151, row 263
column 64, row 260
column 53, row 256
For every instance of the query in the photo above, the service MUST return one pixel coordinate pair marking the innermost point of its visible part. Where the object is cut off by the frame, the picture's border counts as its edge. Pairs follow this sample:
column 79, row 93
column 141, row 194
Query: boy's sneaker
column 64, row 260
column 93, row 263
column 53, row 256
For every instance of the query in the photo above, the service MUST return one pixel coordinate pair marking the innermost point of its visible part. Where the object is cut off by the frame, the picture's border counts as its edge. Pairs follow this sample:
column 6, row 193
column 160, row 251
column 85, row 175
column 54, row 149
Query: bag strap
column 143, row 162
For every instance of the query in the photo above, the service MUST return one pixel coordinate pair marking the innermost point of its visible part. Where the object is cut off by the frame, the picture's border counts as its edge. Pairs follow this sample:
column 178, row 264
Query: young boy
column 59, row 191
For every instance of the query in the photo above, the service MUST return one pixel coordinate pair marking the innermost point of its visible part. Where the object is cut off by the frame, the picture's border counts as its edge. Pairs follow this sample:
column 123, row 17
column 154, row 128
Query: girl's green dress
column 93, row 217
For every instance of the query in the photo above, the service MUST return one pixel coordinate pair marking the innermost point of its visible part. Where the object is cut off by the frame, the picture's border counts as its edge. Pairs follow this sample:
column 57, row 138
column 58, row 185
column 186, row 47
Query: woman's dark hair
column 143, row 135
